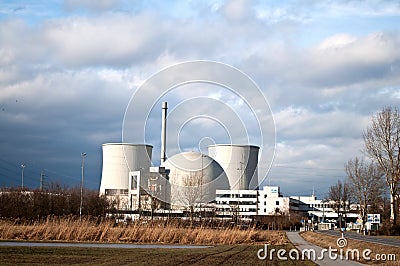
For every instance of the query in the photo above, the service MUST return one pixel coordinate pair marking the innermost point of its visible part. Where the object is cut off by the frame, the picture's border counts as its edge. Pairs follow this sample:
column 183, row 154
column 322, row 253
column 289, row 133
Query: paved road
column 326, row 260
column 373, row 239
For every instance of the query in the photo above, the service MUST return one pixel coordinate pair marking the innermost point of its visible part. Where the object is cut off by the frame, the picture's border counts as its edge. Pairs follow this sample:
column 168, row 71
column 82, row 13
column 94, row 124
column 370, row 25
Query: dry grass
column 327, row 241
column 71, row 229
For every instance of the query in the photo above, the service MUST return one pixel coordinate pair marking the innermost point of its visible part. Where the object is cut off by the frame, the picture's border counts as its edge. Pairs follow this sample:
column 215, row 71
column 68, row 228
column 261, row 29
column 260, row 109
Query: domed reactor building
column 194, row 177
column 187, row 179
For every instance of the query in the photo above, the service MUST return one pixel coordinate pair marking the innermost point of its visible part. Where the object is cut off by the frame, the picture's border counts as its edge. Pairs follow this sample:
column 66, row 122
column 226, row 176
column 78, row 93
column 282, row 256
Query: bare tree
column 234, row 208
column 191, row 194
column 382, row 143
column 366, row 184
column 340, row 195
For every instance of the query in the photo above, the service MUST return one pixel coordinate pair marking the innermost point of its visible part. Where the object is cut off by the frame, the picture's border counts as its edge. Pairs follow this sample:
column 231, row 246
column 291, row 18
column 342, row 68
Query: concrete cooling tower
column 239, row 163
column 194, row 178
column 118, row 160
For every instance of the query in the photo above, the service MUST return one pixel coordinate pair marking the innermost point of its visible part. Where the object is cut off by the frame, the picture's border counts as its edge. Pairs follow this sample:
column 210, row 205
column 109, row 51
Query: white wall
column 118, row 160
column 239, row 163
column 271, row 201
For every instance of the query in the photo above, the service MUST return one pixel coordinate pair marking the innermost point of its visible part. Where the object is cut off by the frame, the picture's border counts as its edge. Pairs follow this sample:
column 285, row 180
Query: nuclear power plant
column 184, row 180
column 222, row 184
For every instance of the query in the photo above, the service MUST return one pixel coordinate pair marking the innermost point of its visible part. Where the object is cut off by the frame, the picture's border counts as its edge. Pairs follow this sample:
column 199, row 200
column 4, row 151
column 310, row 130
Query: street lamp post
column 22, row 175
column 83, row 168
column 201, row 185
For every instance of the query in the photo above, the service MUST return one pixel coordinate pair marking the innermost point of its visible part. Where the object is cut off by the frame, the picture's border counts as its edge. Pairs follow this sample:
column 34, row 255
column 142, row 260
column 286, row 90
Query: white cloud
column 97, row 5
column 337, row 41
column 303, row 124
column 362, row 8
column 238, row 10
column 350, row 60
column 110, row 39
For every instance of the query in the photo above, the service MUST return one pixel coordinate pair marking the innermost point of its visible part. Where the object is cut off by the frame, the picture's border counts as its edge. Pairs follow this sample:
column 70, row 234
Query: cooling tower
column 118, row 160
column 194, row 178
column 239, row 163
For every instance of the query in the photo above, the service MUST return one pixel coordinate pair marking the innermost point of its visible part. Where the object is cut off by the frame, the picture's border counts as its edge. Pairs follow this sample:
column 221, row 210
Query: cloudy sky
column 68, row 70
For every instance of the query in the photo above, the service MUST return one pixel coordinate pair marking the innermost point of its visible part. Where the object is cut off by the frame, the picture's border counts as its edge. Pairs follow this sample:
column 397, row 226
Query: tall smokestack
column 164, row 132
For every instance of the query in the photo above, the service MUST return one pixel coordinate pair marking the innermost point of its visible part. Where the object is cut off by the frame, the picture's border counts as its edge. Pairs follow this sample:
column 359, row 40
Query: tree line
column 369, row 177
column 56, row 200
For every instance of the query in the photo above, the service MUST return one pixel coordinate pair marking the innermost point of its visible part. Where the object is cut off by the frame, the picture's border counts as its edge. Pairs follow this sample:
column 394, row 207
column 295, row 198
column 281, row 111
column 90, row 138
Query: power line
column 10, row 172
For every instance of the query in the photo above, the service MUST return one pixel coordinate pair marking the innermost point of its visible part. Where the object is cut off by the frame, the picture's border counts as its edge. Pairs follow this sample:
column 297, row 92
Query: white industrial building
column 268, row 201
column 240, row 203
column 248, row 203
column 320, row 211
column 148, row 189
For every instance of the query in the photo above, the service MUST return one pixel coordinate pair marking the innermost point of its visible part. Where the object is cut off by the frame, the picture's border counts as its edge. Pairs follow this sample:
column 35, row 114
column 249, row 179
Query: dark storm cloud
column 66, row 78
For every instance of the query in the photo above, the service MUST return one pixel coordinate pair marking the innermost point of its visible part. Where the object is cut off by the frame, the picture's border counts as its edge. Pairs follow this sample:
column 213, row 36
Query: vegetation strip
column 159, row 232
column 327, row 241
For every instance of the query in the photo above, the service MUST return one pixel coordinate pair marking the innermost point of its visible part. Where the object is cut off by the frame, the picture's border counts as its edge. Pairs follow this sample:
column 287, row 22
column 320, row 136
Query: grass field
column 218, row 255
column 327, row 241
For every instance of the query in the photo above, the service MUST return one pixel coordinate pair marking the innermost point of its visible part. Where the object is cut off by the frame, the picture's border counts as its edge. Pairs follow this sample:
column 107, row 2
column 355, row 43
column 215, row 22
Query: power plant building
column 219, row 180
column 185, row 179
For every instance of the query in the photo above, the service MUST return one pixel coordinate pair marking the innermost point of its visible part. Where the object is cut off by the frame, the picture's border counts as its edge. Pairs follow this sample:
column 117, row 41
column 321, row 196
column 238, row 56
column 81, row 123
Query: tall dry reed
column 87, row 230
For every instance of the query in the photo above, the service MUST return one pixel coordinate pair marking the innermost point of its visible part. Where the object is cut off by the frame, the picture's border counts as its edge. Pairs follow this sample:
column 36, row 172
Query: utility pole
column 241, row 181
column 83, row 166
column 201, row 186
column 22, row 175
column 42, row 175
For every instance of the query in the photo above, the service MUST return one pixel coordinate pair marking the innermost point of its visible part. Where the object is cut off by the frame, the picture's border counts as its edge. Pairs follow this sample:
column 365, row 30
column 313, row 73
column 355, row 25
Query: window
column 265, row 203
column 112, row 192
column 249, row 196
column 153, row 188
column 277, row 202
